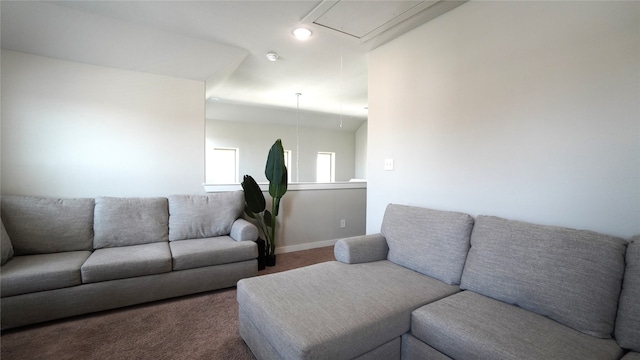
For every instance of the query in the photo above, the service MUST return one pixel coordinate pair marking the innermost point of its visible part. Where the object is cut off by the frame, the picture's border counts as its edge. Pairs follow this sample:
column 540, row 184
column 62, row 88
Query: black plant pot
column 261, row 254
column 271, row 260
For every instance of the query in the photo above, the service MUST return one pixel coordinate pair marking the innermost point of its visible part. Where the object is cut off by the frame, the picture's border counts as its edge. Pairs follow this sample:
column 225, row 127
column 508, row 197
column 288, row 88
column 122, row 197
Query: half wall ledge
column 359, row 184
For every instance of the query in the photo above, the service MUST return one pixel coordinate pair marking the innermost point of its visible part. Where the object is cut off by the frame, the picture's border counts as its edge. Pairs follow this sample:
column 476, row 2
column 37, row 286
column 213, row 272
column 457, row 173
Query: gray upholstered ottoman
column 333, row 310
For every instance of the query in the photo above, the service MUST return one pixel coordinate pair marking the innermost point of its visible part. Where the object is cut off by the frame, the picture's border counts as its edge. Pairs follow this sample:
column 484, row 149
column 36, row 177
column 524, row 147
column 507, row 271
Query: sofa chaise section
column 333, row 310
column 358, row 306
column 489, row 289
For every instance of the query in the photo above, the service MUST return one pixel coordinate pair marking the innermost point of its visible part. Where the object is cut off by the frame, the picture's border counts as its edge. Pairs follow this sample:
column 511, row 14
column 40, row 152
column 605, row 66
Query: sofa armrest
column 361, row 249
column 243, row 230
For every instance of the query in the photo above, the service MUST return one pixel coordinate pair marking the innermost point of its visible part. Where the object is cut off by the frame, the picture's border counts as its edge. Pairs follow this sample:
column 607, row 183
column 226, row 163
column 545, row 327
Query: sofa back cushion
column 202, row 216
column 431, row 242
column 130, row 221
column 628, row 321
column 38, row 225
column 571, row 276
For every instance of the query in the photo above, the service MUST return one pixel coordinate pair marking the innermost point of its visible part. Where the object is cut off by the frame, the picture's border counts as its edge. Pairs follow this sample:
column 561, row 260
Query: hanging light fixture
column 341, row 90
column 298, row 136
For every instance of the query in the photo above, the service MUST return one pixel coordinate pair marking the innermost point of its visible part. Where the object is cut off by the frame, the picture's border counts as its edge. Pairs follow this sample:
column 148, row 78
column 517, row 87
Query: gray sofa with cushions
column 65, row 257
column 441, row 285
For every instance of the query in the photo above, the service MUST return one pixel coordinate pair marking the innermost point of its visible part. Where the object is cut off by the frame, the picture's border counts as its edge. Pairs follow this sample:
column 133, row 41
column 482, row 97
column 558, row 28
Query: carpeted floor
column 201, row 326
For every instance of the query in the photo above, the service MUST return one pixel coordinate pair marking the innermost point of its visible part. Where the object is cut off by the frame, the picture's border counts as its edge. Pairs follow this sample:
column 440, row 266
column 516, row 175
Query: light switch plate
column 388, row 164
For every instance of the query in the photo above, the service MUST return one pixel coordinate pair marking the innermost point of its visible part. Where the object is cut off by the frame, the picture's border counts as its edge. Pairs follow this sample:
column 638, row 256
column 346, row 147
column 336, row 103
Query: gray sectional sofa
column 442, row 285
column 65, row 257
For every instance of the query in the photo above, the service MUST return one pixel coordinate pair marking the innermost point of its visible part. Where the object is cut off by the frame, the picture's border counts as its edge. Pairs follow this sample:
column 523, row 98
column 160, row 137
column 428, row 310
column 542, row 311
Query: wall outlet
column 388, row 164
column 343, row 223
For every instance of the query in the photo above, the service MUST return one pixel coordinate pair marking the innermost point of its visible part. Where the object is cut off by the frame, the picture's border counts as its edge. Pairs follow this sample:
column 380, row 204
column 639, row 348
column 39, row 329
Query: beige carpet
column 201, row 326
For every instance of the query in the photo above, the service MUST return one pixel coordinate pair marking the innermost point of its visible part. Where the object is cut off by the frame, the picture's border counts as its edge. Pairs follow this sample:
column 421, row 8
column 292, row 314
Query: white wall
column 254, row 141
column 524, row 110
column 76, row 130
column 311, row 218
column 361, row 151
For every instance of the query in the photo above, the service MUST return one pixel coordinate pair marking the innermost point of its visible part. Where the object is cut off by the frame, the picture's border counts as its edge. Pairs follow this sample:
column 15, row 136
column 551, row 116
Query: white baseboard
column 313, row 245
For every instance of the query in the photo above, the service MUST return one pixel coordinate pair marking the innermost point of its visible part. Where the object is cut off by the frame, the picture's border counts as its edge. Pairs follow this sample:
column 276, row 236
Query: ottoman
column 334, row 310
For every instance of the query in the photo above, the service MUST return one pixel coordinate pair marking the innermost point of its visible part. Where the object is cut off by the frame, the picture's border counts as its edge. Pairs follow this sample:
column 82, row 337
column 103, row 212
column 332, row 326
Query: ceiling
column 224, row 43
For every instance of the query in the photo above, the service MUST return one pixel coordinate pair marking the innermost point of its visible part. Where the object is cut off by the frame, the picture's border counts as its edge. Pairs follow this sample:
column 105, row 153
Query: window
column 224, row 169
column 287, row 163
column 325, row 167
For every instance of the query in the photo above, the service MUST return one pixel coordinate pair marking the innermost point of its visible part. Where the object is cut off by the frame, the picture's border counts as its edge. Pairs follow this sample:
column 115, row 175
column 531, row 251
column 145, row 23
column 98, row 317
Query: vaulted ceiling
column 225, row 44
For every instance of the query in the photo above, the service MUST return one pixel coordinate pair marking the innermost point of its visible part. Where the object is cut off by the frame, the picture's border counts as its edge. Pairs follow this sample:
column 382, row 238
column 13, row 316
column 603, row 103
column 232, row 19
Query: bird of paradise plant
column 255, row 203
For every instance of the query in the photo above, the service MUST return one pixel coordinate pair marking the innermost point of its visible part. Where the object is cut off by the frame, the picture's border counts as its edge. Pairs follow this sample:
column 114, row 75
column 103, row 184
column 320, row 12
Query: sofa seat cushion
column 414, row 349
column 126, row 262
column 40, row 225
column 571, row 276
column 632, row 356
column 194, row 253
column 468, row 325
column 334, row 310
column 628, row 318
column 203, row 216
column 130, row 221
column 32, row 273
column 431, row 242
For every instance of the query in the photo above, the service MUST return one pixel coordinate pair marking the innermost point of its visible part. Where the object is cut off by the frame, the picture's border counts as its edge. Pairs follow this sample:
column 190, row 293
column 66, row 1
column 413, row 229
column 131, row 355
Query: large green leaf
column 248, row 212
column 276, row 207
column 253, row 196
column 277, row 174
column 279, row 190
column 268, row 219
column 276, row 171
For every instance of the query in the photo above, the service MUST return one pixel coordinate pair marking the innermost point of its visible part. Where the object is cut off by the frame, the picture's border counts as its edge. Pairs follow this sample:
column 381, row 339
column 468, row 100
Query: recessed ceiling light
column 302, row 33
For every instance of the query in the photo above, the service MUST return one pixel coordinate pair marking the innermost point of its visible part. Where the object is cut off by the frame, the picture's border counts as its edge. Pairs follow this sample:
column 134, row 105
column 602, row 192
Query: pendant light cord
column 298, row 136
column 341, row 90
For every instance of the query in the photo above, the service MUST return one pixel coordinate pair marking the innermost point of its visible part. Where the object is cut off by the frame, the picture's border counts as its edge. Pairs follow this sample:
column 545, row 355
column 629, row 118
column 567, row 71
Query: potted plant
column 255, row 203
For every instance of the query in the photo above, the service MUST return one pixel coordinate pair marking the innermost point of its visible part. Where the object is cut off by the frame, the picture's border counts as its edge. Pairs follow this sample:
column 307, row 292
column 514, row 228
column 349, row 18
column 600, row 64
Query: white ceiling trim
column 374, row 23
